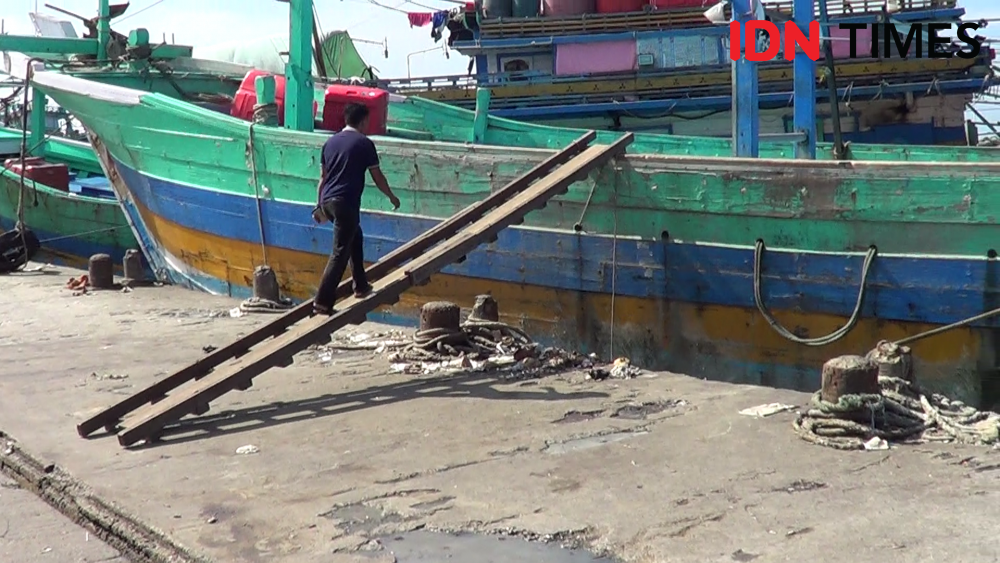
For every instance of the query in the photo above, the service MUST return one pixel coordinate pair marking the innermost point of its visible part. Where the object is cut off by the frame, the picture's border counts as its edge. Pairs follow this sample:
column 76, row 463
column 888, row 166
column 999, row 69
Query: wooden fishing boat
column 663, row 66
column 655, row 256
column 70, row 206
column 75, row 214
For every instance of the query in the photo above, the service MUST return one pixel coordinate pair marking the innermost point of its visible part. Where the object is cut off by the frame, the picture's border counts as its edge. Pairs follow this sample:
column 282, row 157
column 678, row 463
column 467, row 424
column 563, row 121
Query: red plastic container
column 246, row 96
column 618, row 6
column 680, row 4
column 47, row 173
column 339, row 95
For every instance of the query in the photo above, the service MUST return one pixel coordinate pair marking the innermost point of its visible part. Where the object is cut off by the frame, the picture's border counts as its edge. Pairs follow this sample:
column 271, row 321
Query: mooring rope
column 946, row 328
column 481, row 338
column 902, row 411
column 262, row 305
column 758, row 256
column 614, row 276
column 23, row 188
column 84, row 233
column 256, row 192
column 265, row 114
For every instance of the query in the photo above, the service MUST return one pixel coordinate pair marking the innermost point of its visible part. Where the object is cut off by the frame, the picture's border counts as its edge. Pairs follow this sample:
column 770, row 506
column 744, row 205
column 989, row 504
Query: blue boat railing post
column 746, row 113
column 804, row 110
column 299, row 95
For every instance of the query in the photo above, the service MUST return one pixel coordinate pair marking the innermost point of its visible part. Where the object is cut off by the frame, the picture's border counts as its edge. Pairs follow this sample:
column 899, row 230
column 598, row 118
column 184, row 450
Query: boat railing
column 650, row 20
column 429, row 84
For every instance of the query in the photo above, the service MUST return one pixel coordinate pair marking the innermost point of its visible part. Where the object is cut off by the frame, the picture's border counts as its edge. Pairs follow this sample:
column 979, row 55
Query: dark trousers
column 348, row 245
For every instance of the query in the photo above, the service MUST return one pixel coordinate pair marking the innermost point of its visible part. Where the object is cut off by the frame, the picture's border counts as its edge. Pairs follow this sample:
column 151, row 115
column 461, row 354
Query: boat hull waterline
column 665, row 254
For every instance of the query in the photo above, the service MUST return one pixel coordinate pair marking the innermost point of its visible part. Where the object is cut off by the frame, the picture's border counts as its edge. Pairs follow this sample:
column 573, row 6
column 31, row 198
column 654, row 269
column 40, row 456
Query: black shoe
column 364, row 292
column 321, row 310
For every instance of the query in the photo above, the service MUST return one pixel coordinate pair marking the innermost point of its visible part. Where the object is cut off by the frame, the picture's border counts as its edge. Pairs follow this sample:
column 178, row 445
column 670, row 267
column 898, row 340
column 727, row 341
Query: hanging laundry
column 438, row 22
column 419, row 19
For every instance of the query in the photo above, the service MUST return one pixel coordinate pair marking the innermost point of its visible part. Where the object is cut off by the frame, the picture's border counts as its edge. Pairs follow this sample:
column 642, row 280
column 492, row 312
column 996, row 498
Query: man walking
column 345, row 159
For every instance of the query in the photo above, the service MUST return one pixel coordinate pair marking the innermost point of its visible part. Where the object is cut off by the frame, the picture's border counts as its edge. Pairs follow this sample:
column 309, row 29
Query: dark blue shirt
column 346, row 158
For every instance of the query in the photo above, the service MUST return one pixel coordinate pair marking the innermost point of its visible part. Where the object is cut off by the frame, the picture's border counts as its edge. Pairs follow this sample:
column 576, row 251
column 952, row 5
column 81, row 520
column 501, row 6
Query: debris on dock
column 445, row 344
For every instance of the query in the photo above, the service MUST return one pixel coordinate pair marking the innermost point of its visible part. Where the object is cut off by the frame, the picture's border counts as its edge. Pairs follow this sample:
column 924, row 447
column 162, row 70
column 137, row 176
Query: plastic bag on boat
column 16, row 249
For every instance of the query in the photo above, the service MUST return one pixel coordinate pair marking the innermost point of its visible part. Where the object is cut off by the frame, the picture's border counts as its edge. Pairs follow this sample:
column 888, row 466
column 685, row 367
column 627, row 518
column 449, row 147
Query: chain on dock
column 901, row 411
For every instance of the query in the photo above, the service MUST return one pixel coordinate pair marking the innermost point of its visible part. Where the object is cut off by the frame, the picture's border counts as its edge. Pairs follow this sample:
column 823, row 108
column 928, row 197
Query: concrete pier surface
column 33, row 532
column 352, row 460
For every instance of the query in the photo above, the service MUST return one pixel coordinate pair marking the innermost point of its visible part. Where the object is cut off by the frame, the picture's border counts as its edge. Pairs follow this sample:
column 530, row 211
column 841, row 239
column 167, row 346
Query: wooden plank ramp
column 191, row 389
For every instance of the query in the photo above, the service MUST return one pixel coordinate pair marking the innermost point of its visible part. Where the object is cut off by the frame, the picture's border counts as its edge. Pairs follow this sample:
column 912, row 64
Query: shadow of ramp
column 474, row 385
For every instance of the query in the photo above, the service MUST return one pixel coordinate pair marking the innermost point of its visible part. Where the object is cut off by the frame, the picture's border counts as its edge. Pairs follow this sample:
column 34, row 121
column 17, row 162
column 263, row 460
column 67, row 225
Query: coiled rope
column 265, row 114
column 474, row 337
column 262, row 305
column 758, row 257
column 902, row 411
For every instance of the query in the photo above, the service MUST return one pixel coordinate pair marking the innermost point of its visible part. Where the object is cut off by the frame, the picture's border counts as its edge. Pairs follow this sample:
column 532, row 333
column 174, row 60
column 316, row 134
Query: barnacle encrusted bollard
column 440, row 315
column 485, row 308
column 265, row 284
column 892, row 360
column 132, row 266
column 849, row 375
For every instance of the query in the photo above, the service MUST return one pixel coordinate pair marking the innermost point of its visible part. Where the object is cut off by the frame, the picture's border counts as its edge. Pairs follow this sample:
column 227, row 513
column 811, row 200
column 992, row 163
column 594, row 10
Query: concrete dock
column 351, row 460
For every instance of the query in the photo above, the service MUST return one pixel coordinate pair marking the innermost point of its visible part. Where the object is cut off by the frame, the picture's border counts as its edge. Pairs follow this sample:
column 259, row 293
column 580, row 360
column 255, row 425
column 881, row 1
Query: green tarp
column 340, row 55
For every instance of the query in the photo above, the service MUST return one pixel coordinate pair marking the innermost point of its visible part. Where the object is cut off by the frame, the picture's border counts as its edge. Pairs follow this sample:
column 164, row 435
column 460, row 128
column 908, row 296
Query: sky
column 208, row 22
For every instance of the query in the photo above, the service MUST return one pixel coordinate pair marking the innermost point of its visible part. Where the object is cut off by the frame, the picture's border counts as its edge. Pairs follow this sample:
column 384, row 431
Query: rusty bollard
column 101, row 272
column 132, row 267
column 893, row 360
column 485, row 309
column 440, row 315
column 265, row 284
column 849, row 375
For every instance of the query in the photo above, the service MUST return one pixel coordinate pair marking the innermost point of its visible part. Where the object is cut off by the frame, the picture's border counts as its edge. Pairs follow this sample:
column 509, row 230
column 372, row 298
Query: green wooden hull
column 656, row 249
column 74, row 227
column 71, row 227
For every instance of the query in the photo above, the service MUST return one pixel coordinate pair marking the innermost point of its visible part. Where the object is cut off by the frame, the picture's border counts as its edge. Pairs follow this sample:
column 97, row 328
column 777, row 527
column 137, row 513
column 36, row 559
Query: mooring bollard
column 892, row 360
column 265, row 284
column 849, row 375
column 485, row 308
column 101, row 271
column 440, row 315
column 132, row 266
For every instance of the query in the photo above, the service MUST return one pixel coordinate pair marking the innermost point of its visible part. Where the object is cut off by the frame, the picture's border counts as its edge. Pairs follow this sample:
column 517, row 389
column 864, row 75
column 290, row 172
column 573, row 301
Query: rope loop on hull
column 758, row 257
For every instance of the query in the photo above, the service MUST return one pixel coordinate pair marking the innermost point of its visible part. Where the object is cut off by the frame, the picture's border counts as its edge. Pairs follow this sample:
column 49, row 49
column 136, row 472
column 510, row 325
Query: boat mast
column 103, row 28
column 746, row 101
column 299, row 89
column 804, row 110
column 746, row 111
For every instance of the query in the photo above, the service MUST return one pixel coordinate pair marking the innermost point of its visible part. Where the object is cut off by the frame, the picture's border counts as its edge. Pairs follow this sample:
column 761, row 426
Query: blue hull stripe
column 916, row 289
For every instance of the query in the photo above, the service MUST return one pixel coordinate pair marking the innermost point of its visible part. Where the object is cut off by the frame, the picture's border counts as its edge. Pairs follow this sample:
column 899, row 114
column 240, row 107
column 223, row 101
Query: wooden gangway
column 144, row 415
